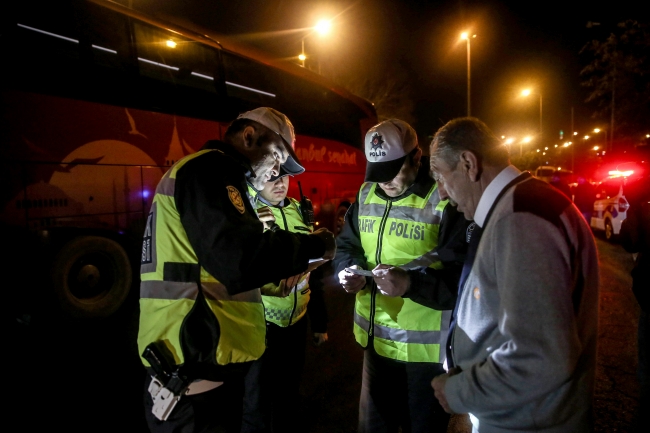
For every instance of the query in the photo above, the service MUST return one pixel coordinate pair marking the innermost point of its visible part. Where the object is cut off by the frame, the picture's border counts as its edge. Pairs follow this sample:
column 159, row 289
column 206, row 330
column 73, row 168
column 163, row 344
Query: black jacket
column 229, row 241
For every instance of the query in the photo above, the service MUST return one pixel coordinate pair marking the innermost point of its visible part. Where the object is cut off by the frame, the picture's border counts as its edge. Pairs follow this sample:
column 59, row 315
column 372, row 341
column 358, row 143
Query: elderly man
column 523, row 339
column 395, row 228
column 204, row 256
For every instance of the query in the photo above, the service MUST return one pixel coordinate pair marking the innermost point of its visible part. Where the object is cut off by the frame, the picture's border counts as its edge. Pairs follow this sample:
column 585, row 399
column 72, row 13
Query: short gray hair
column 468, row 133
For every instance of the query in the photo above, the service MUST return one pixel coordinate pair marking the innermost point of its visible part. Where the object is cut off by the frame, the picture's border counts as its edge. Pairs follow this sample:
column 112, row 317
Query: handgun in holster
column 306, row 208
column 168, row 384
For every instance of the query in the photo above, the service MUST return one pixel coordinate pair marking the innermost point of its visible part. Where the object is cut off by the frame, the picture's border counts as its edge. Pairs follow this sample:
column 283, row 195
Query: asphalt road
column 86, row 376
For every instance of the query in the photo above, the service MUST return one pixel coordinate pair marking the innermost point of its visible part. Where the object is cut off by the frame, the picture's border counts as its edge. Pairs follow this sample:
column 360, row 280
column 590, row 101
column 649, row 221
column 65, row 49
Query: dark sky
column 519, row 44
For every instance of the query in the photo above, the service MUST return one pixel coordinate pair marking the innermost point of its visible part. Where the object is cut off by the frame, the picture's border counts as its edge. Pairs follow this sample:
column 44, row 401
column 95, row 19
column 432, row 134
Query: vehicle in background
column 563, row 180
column 99, row 100
column 611, row 205
column 545, row 172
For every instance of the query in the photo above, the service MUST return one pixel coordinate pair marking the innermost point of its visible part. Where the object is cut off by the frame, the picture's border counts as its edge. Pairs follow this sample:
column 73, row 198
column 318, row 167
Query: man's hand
column 330, row 243
column 438, row 385
column 284, row 288
column 319, row 338
column 352, row 283
column 391, row 280
column 265, row 214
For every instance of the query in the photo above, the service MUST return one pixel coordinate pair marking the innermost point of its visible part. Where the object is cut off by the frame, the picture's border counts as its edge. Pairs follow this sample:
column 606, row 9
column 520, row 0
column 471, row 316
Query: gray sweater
column 527, row 321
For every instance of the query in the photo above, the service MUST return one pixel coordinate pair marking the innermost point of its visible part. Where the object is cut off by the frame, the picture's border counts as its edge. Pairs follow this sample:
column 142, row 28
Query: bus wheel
column 91, row 277
column 339, row 218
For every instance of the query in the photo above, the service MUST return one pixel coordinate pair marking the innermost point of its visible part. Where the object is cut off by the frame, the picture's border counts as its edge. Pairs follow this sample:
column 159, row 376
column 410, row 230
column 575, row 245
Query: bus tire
column 91, row 276
column 339, row 217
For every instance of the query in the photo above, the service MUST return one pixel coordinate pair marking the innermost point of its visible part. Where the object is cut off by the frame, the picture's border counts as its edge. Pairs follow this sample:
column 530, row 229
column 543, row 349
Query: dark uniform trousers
column 216, row 411
column 397, row 393
column 273, row 392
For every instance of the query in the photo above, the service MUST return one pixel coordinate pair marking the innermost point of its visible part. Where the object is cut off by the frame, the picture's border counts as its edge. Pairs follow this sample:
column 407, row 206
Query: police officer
column 394, row 229
column 204, row 257
column 286, row 307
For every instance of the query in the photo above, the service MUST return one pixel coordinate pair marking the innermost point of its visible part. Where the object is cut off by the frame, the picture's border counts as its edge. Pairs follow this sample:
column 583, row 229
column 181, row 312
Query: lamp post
column 322, row 27
column 521, row 144
column 527, row 92
column 604, row 130
column 465, row 36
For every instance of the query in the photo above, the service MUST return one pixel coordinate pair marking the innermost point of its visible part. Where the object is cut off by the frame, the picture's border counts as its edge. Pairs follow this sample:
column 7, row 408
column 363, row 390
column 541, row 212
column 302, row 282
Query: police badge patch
column 235, row 199
column 376, row 142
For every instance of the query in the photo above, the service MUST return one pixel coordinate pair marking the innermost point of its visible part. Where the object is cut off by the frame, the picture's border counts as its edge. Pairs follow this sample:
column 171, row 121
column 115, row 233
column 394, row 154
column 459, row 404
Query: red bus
column 98, row 100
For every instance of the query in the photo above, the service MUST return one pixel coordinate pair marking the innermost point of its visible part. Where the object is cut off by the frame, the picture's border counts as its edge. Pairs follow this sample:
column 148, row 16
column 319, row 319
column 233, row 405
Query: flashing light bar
column 621, row 173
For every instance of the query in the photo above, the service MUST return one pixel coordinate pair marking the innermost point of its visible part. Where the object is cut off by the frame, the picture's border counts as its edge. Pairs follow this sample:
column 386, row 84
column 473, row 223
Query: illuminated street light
column 528, row 92
column 510, row 140
column 556, row 145
column 323, row 27
column 170, row 43
column 466, row 37
column 597, row 130
column 586, row 137
column 596, row 148
column 647, row 136
column 567, row 144
column 521, row 144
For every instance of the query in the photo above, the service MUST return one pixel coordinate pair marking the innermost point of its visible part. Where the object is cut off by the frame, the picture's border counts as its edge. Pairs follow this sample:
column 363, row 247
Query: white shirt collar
column 492, row 191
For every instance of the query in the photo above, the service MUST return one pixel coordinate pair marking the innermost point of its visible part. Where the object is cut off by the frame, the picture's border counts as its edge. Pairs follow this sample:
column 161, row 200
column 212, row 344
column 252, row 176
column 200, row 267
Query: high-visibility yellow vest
column 288, row 310
column 401, row 233
column 169, row 290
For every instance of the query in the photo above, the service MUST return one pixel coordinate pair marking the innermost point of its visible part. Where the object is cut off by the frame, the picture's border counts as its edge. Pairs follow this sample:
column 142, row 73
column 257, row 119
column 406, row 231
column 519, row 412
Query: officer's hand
column 330, row 244
column 352, row 283
column 391, row 280
column 284, row 288
column 265, row 214
column 320, row 338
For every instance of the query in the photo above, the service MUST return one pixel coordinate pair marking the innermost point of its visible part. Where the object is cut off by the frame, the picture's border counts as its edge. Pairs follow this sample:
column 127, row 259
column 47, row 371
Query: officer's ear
column 470, row 165
column 417, row 157
column 248, row 135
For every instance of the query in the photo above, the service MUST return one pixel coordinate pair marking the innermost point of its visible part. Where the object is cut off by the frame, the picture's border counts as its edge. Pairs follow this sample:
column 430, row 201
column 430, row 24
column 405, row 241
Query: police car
column 610, row 207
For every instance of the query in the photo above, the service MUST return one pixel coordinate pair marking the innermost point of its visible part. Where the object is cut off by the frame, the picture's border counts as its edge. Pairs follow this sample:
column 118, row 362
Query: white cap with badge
column 386, row 146
column 281, row 125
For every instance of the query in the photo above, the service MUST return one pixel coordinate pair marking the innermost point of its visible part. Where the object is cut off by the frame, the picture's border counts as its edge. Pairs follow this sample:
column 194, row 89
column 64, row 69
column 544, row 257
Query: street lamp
column 521, row 144
column 465, row 36
column 527, row 92
column 322, row 27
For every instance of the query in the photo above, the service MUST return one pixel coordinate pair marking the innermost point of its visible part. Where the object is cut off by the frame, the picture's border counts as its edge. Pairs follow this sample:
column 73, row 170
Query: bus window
column 107, row 34
column 43, row 47
column 179, row 73
column 313, row 109
column 249, row 83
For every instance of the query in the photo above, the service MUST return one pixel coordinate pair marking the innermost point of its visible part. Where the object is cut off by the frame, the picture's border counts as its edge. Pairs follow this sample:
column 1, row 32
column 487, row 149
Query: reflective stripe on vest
column 170, row 274
column 288, row 310
column 400, row 233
